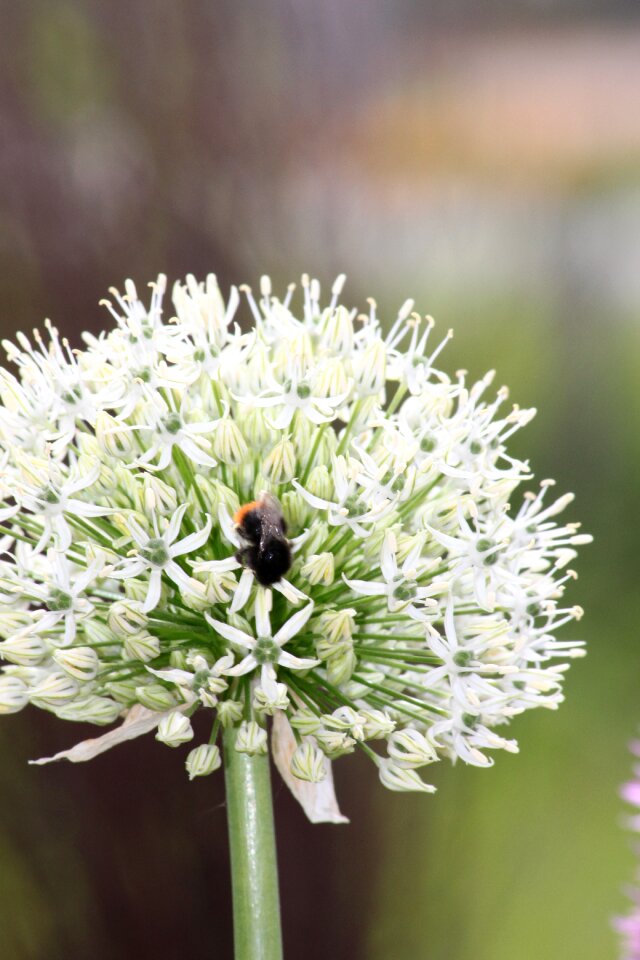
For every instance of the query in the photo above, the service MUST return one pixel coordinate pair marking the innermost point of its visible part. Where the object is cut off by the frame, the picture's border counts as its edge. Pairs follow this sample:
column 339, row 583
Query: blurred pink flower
column 629, row 926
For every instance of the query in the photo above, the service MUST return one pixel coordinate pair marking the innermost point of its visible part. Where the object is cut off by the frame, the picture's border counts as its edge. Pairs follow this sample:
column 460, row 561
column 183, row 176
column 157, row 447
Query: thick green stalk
column 254, row 868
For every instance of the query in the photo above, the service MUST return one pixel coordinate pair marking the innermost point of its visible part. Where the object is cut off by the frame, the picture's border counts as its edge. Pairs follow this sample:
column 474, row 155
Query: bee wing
column 271, row 518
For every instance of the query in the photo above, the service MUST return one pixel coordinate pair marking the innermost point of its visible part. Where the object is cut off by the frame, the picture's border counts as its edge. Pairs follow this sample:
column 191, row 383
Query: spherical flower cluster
column 629, row 926
column 420, row 608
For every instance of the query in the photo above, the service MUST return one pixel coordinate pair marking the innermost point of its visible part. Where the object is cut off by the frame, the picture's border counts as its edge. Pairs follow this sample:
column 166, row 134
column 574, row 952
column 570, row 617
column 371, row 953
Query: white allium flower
column 422, row 597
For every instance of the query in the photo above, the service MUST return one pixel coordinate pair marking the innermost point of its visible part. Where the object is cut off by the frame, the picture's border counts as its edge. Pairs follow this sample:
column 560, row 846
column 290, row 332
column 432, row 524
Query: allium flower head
column 420, row 609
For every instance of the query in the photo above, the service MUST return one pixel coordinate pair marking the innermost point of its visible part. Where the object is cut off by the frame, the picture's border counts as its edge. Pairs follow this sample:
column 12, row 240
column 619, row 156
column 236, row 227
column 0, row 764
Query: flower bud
column 141, row 646
column 401, row 779
column 80, row 663
column 174, row 729
column 56, row 689
column 25, row 649
column 281, row 464
column 203, row 760
column 256, row 427
column 337, row 330
column 335, row 626
column 319, row 568
column 178, row 660
column 370, row 368
column 216, row 494
column 332, row 380
column 410, row 748
column 229, row 445
column 340, row 665
column 136, row 590
column 14, row 621
column 112, row 439
column 317, row 536
column 154, row 696
column 319, row 483
column 295, row 509
column 14, row 694
column 218, row 587
column 267, row 705
column 163, row 497
column 97, row 632
column 230, row 712
column 334, row 744
column 308, row 763
column 124, row 691
column 126, row 618
column 305, row 721
column 346, row 719
column 378, row 724
column 251, row 739
column 99, row 710
column 89, row 450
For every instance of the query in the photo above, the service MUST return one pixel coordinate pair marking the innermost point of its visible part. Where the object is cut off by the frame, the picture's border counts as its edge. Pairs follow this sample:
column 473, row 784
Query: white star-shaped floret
column 157, row 554
column 399, row 584
column 43, row 489
column 348, row 501
column 296, row 393
column 264, row 650
column 165, row 429
column 63, row 595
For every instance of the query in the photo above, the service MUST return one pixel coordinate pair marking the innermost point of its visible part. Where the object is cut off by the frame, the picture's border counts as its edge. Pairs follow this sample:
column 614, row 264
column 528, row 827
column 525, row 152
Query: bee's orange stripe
column 241, row 513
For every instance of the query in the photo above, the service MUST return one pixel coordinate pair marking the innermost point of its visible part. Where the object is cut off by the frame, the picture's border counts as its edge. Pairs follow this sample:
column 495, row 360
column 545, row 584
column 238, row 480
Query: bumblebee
column 263, row 528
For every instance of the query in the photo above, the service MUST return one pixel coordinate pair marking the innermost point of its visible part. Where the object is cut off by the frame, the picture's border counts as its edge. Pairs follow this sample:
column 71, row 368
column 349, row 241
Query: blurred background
column 484, row 159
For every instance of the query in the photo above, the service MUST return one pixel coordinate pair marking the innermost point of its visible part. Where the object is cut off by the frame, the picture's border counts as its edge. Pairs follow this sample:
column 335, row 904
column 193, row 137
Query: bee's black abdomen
column 272, row 562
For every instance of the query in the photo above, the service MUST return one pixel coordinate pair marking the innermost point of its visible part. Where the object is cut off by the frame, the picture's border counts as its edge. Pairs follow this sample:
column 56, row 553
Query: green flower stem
column 254, row 868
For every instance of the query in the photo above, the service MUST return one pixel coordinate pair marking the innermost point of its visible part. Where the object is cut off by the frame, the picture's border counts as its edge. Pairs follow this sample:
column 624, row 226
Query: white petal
column 193, row 542
column 242, row 592
column 451, row 543
column 215, row 566
column 196, row 453
column 183, row 580
column 181, row 677
column 87, row 509
column 450, row 625
column 140, row 536
column 368, row 588
column 245, row 666
column 288, row 590
column 228, row 527
column 312, row 499
column 173, row 529
column 268, row 681
column 128, row 568
column 296, row 663
column 231, row 633
column 293, row 625
column 69, row 627
column 388, row 564
column 262, row 610
column 80, row 483
column 153, row 592
column 88, row 576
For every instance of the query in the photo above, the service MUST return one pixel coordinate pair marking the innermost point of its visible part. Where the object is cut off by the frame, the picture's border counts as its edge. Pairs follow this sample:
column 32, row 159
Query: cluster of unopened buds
column 300, row 517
